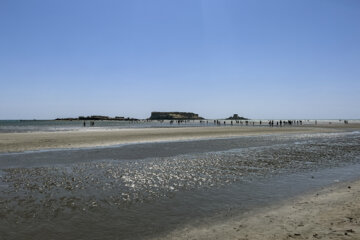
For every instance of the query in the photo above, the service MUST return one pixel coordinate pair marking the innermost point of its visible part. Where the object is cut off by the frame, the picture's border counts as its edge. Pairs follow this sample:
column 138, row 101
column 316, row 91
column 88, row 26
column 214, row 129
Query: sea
column 147, row 190
column 12, row 126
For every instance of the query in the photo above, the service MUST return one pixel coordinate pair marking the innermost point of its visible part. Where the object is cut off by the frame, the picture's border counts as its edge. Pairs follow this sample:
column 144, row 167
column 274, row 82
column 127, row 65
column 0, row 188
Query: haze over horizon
column 260, row 59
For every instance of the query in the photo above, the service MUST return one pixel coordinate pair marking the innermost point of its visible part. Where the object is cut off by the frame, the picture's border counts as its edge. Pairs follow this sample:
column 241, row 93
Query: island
column 98, row 117
column 174, row 116
column 236, row 117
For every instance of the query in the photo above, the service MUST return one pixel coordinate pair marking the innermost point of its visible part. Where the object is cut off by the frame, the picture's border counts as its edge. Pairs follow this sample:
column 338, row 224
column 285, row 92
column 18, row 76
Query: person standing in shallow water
column 84, row 124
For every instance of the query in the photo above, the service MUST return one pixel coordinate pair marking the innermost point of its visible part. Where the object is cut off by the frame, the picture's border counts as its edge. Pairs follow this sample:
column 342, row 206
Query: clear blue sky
column 261, row 59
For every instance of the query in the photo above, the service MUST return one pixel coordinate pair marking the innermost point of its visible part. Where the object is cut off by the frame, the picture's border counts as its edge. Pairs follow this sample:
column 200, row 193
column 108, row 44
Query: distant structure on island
column 174, row 116
column 98, row 117
column 236, row 117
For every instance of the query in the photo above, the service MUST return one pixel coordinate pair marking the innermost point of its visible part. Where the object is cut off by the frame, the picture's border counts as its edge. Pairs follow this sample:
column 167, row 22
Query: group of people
column 271, row 123
column 217, row 122
column 283, row 123
column 180, row 121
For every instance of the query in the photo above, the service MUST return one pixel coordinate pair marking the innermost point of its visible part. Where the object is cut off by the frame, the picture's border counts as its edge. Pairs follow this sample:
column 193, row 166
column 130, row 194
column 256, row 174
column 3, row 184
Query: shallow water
column 11, row 126
column 144, row 190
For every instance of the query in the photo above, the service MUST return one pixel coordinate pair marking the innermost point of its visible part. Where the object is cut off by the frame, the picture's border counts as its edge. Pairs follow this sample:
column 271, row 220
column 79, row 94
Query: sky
column 296, row 59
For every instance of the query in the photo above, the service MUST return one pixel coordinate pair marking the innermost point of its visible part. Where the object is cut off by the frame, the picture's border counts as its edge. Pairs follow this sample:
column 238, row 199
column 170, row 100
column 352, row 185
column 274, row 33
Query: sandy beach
column 330, row 213
column 18, row 142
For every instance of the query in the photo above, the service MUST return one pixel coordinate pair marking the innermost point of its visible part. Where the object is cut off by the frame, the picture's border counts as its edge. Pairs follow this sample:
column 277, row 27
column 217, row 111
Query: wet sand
column 331, row 213
column 18, row 142
column 87, row 183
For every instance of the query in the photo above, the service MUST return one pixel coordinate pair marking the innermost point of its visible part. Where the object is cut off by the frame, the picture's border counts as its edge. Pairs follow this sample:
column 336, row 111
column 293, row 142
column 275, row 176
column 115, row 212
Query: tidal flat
column 159, row 190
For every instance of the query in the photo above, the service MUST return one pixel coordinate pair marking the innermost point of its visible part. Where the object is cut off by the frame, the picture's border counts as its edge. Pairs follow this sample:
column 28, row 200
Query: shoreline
column 333, row 212
column 32, row 141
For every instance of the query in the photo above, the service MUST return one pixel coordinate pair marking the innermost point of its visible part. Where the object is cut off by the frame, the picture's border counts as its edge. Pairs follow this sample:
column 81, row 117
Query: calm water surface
column 144, row 190
column 11, row 126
